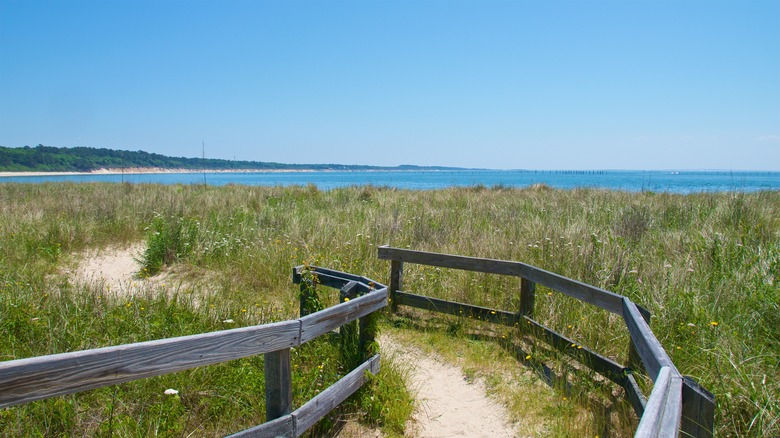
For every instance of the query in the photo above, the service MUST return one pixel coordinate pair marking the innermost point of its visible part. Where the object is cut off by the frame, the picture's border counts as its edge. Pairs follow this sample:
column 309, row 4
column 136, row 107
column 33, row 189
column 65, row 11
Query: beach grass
column 705, row 265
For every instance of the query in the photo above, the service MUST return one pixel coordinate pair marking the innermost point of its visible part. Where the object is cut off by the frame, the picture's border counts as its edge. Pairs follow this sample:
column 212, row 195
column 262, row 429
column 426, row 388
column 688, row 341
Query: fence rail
column 36, row 378
column 676, row 403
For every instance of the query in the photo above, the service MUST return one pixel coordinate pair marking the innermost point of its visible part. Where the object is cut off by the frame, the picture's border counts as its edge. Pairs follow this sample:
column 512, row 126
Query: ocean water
column 656, row 181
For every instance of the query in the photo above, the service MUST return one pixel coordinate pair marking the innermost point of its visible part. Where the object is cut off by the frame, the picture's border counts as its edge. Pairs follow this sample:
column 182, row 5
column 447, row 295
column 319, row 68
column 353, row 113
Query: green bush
column 169, row 238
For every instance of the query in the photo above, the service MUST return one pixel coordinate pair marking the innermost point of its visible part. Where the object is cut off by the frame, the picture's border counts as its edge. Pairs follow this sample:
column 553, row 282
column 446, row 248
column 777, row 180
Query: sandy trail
column 448, row 405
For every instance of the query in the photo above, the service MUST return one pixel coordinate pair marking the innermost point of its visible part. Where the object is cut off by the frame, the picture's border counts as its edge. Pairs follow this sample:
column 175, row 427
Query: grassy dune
column 705, row 265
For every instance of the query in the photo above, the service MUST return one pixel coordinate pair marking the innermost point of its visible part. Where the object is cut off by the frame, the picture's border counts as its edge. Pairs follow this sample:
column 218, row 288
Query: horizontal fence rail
column 584, row 292
column 36, row 378
column 676, row 403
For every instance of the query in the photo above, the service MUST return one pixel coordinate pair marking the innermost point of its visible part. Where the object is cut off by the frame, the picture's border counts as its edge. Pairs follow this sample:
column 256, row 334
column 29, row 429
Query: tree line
column 86, row 159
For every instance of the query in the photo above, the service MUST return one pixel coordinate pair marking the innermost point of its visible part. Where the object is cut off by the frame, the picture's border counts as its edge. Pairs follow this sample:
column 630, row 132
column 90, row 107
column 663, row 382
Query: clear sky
column 490, row 84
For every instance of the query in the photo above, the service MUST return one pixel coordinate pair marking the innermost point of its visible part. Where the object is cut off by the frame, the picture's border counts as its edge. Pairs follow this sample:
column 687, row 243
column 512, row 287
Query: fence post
column 349, row 337
column 634, row 361
column 396, row 278
column 367, row 344
column 527, row 297
column 698, row 410
column 309, row 300
column 278, row 384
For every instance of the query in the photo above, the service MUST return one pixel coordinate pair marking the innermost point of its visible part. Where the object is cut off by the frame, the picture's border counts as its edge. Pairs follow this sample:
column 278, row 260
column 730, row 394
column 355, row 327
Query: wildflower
column 243, row 310
column 528, row 357
column 170, row 391
column 346, row 299
column 714, row 323
column 492, row 312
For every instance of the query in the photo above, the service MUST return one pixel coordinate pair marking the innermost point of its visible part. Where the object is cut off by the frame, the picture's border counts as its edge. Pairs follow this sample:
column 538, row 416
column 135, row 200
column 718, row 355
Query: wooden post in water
column 278, row 384
column 396, row 278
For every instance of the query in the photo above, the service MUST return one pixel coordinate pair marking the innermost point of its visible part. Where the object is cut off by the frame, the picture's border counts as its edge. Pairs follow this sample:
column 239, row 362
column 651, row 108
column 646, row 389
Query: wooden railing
column 36, row 378
column 676, row 403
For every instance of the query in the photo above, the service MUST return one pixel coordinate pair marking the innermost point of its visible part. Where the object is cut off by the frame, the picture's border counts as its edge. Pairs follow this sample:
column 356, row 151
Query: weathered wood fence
column 677, row 404
column 36, row 378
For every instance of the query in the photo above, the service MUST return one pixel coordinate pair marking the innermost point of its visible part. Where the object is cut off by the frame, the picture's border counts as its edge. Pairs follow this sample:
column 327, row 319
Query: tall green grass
column 705, row 265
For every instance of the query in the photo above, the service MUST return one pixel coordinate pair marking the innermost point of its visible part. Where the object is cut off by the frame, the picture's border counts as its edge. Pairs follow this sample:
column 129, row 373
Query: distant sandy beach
column 140, row 170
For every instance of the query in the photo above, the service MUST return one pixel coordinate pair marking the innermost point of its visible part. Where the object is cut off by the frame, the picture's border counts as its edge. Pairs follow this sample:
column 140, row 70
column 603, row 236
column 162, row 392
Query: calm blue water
column 658, row 181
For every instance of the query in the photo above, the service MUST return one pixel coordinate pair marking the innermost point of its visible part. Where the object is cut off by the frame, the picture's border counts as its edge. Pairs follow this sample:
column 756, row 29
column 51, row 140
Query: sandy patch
column 115, row 270
column 448, row 404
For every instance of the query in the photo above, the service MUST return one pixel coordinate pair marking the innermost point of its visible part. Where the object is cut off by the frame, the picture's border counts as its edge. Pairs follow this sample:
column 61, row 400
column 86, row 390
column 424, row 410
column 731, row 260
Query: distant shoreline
column 147, row 170
column 162, row 170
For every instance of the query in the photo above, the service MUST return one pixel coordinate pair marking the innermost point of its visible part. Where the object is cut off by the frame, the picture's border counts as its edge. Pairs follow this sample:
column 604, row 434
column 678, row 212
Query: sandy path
column 448, row 405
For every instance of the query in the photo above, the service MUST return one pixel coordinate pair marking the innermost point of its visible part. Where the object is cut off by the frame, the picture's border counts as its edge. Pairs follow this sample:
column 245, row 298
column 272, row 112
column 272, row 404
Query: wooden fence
column 36, row 378
column 676, row 404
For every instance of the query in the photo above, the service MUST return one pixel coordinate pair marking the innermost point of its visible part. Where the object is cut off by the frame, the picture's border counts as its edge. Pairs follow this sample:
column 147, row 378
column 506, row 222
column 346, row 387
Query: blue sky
column 490, row 84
